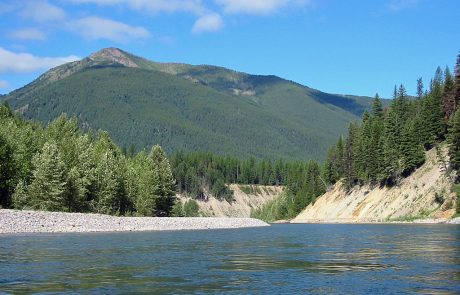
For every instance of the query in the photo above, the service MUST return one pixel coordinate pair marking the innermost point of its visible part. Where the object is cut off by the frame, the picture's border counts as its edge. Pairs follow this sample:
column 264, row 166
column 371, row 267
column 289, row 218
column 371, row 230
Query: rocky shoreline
column 15, row 221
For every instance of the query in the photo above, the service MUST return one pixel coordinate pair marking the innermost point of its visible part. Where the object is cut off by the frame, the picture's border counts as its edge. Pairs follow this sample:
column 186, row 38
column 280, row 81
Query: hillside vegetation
column 190, row 108
column 383, row 150
column 426, row 193
column 62, row 168
column 245, row 198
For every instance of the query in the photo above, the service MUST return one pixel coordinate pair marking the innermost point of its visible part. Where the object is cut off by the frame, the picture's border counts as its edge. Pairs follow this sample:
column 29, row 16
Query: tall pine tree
column 7, row 172
column 48, row 188
column 165, row 193
column 448, row 96
column 454, row 143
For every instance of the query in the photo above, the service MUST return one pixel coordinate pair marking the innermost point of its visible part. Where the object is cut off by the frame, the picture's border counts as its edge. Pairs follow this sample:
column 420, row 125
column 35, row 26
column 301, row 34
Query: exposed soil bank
column 14, row 221
column 242, row 203
column 425, row 196
column 362, row 221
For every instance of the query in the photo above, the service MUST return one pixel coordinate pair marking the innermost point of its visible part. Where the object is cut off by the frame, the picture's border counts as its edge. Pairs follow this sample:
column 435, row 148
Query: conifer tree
column 448, row 96
column 419, row 88
column 454, row 143
column 433, row 127
column 145, row 185
column 20, row 199
column 165, row 192
column 412, row 154
column 377, row 108
column 7, row 172
column 47, row 190
column 391, row 170
column 110, row 190
column 349, row 160
column 339, row 162
column 329, row 172
column 456, row 88
column 376, row 145
column 81, row 176
column 362, row 149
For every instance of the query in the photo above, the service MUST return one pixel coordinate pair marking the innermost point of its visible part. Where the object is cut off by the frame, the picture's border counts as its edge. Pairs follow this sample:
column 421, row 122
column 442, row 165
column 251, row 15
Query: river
column 281, row 259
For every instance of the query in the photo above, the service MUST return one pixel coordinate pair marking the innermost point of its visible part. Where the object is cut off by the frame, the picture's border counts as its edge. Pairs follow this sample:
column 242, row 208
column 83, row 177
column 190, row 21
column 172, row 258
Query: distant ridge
column 186, row 107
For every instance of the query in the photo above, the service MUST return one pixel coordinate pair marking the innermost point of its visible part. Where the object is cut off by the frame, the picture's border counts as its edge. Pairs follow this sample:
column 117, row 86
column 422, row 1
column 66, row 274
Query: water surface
column 296, row 258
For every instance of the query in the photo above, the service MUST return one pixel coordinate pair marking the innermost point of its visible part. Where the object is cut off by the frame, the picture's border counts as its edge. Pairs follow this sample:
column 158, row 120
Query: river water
column 281, row 259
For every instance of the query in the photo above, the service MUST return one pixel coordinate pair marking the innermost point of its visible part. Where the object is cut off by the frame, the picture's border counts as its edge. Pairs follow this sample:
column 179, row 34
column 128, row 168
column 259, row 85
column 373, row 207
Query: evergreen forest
column 390, row 143
column 62, row 168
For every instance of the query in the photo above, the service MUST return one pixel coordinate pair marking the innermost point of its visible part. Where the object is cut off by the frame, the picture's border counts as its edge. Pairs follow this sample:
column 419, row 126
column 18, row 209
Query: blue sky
column 337, row 46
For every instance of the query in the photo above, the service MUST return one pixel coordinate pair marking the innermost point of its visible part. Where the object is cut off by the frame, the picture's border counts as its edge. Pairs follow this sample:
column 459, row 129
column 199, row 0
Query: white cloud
column 28, row 34
column 42, row 11
column 257, row 6
column 4, row 84
column 26, row 62
column 153, row 6
column 208, row 23
column 94, row 28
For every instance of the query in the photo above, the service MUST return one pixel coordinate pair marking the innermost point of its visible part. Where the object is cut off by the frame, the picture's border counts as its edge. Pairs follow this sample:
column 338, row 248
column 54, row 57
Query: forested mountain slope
column 399, row 161
column 185, row 107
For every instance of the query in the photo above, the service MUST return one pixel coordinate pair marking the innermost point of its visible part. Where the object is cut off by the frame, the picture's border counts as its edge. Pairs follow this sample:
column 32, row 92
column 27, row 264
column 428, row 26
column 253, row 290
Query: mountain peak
column 113, row 54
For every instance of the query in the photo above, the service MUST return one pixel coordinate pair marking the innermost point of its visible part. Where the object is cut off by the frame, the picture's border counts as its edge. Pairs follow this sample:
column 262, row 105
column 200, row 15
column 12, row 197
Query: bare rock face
column 113, row 55
column 104, row 56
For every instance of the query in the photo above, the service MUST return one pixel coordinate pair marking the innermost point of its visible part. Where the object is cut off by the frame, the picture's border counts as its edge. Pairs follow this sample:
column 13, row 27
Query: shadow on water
column 321, row 259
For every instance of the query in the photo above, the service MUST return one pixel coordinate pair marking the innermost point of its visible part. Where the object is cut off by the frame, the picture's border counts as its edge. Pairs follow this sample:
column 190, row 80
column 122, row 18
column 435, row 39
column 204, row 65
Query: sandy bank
column 13, row 221
column 242, row 203
column 364, row 221
column 424, row 194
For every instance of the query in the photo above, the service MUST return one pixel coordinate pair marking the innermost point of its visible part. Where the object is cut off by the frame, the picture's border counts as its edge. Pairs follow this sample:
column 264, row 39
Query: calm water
column 319, row 259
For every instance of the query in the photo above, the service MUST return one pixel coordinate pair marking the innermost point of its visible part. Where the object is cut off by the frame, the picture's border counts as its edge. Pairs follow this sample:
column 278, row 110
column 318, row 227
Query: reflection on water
column 320, row 259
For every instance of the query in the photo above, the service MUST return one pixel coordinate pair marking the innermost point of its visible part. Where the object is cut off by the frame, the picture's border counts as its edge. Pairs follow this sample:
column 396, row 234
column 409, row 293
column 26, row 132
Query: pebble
column 16, row 221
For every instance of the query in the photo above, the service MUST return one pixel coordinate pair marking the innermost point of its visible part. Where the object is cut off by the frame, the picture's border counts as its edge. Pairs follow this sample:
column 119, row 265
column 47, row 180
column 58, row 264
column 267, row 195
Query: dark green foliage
column 389, row 144
column 384, row 148
column 456, row 87
column 7, row 172
column 47, row 191
column 197, row 173
column 303, row 186
column 456, row 190
column 188, row 209
column 280, row 208
column 190, row 108
column 164, row 191
column 454, row 143
column 412, row 153
column 62, row 169
column 448, row 96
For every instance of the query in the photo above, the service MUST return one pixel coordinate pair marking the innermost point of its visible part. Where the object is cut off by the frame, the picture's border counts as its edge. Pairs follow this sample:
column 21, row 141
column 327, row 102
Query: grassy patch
column 250, row 189
column 456, row 190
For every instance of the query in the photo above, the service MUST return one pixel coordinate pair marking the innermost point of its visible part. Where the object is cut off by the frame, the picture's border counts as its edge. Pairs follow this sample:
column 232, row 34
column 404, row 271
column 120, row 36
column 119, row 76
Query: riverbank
column 363, row 221
column 15, row 221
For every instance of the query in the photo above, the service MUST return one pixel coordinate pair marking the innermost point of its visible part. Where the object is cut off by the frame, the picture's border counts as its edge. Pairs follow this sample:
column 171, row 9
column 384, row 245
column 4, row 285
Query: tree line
column 199, row 174
column 387, row 145
column 61, row 168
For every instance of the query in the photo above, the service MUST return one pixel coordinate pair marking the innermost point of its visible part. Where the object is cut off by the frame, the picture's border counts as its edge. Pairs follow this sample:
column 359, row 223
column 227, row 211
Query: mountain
column 186, row 107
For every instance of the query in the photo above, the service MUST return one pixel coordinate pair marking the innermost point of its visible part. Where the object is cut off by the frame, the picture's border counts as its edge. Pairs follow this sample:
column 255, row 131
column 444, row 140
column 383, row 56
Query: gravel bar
column 15, row 221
